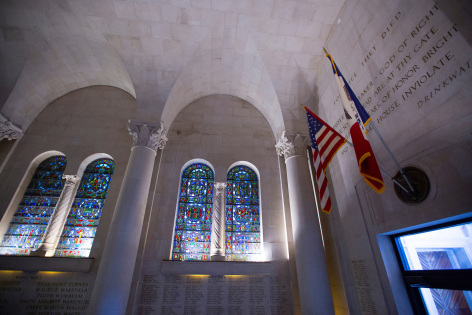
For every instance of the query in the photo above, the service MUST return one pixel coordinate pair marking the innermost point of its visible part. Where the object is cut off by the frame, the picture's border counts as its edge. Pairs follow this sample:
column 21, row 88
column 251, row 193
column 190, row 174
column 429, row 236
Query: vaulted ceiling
column 164, row 53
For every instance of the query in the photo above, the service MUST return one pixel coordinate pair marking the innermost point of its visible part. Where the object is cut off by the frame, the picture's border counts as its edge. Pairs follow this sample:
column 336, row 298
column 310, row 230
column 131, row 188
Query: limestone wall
column 410, row 65
column 221, row 130
column 82, row 123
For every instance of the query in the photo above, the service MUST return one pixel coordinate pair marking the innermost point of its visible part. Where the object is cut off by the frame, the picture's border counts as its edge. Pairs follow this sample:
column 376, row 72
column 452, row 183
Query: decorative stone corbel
column 9, row 130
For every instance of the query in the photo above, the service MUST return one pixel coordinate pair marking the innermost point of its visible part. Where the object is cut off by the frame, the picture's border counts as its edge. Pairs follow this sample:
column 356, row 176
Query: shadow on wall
column 459, row 17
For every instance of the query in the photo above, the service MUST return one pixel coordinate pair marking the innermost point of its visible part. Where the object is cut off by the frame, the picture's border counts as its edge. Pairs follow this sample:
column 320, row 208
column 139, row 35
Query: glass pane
column 28, row 225
column 79, row 231
column 441, row 301
column 193, row 221
column 242, row 216
column 446, row 248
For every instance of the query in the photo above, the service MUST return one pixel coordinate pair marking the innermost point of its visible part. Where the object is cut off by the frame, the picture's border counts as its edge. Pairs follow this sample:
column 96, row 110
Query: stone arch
column 58, row 62
column 228, row 67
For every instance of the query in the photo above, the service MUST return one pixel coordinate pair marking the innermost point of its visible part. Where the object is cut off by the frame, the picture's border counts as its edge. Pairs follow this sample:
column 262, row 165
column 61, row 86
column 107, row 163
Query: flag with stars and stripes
column 325, row 142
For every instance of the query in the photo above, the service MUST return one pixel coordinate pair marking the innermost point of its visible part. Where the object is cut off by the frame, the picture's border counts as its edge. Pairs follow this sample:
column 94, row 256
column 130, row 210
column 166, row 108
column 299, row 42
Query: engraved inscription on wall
column 232, row 295
column 364, row 289
column 413, row 72
column 39, row 295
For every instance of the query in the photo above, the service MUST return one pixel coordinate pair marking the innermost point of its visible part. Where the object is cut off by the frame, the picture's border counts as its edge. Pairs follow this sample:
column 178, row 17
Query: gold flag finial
column 302, row 106
column 331, row 59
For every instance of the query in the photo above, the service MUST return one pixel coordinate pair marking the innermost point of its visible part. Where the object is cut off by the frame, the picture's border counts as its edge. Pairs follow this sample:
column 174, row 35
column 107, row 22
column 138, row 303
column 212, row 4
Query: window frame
column 222, row 230
column 261, row 234
column 20, row 192
column 32, row 171
column 87, row 163
column 184, row 167
column 414, row 280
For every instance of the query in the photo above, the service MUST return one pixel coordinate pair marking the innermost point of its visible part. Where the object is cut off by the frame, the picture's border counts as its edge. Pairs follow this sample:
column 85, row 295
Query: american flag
column 325, row 142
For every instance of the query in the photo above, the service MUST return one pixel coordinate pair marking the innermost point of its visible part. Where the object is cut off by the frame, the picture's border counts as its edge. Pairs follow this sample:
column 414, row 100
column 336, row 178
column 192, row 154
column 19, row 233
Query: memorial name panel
column 38, row 295
column 195, row 294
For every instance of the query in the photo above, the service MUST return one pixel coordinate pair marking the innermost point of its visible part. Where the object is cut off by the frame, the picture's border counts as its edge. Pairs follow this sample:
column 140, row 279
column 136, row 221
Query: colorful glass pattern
column 192, row 237
column 79, row 230
column 242, row 216
column 29, row 223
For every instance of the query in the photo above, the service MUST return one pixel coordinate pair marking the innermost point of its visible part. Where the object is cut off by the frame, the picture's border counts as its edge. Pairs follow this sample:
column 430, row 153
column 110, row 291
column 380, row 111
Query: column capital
column 220, row 186
column 71, row 180
column 149, row 135
column 291, row 144
column 9, row 130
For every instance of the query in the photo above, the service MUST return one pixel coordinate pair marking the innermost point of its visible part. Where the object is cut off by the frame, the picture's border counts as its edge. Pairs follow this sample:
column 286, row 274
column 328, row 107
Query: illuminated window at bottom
column 437, row 266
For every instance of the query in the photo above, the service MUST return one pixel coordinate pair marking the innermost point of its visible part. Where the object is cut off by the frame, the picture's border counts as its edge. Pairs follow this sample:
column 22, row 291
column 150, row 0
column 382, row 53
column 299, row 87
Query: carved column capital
column 284, row 147
column 149, row 135
column 220, row 186
column 71, row 180
column 291, row 144
column 9, row 130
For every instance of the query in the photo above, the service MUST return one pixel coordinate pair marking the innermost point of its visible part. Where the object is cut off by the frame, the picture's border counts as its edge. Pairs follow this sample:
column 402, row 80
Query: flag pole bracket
column 418, row 179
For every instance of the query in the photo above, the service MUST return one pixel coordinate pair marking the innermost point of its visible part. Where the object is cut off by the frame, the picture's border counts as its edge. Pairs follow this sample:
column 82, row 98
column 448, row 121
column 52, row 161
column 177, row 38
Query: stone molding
column 291, row 144
column 9, row 130
column 148, row 135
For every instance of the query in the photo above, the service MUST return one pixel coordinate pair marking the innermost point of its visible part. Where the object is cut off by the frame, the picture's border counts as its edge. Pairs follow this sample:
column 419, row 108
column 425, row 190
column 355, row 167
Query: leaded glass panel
column 242, row 215
column 193, row 220
column 29, row 223
column 79, row 230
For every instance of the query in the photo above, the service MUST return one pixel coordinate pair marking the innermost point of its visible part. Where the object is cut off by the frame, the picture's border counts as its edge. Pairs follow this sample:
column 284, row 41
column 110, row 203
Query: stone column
column 58, row 218
column 313, row 281
column 218, row 223
column 113, row 282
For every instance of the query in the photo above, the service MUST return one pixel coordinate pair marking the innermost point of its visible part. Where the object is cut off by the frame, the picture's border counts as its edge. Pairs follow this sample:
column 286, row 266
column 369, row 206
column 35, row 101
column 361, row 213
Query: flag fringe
column 368, row 177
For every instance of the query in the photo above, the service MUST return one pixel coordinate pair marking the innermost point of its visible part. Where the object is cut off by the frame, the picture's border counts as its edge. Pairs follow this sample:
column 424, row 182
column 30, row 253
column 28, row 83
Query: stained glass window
column 29, row 223
column 79, row 230
column 242, row 226
column 192, row 235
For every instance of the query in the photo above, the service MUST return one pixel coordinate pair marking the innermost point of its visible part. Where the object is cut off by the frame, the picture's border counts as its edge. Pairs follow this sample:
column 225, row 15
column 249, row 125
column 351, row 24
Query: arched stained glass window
column 242, row 226
column 29, row 223
column 192, row 236
column 79, row 231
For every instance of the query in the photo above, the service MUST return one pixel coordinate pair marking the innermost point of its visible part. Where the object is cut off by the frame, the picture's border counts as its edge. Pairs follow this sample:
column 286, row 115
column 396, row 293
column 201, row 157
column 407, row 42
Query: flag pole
column 385, row 171
column 381, row 168
column 383, row 142
column 392, row 156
